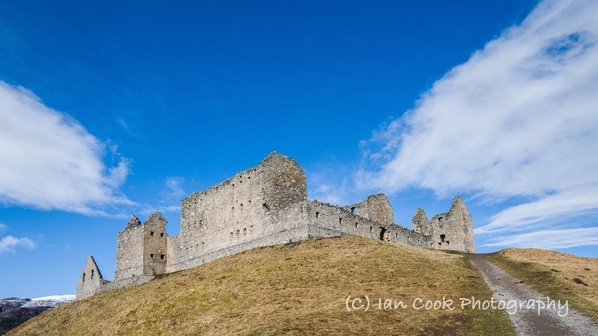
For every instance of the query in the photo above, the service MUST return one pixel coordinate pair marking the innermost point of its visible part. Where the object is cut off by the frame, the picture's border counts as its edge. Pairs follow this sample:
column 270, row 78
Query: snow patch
column 50, row 301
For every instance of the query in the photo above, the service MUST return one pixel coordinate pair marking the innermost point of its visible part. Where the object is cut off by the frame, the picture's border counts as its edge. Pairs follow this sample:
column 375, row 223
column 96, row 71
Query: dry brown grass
column 559, row 275
column 293, row 289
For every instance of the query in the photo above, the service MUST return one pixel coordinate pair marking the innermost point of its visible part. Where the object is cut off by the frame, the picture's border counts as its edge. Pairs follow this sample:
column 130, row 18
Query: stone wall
column 126, row 283
column 308, row 220
column 129, row 250
column 332, row 220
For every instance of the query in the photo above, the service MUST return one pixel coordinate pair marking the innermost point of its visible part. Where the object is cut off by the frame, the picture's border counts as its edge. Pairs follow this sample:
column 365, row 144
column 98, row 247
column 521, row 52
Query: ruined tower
column 452, row 230
column 141, row 248
column 420, row 222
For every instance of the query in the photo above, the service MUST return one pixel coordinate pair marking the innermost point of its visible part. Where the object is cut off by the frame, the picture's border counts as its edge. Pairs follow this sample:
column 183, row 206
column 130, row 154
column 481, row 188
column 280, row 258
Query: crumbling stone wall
column 374, row 207
column 420, row 222
column 91, row 280
column 452, row 230
column 328, row 220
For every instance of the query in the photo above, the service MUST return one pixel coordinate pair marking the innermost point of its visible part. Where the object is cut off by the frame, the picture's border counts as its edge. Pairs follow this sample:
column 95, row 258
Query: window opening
column 382, row 233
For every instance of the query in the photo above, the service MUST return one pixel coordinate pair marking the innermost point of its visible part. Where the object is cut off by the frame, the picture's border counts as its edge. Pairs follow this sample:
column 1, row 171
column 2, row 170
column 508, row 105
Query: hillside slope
column 294, row 289
column 559, row 275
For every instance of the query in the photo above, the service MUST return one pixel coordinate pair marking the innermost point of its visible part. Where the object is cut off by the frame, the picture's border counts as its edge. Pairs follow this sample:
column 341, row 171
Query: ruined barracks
column 265, row 205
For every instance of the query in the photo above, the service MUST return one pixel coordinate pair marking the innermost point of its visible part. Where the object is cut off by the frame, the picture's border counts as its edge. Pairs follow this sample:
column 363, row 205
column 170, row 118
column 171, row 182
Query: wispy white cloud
column 124, row 125
column 150, row 209
column 49, row 161
column 333, row 182
column 550, row 239
column 174, row 188
column 547, row 210
column 325, row 190
column 10, row 244
column 3, row 227
column 517, row 121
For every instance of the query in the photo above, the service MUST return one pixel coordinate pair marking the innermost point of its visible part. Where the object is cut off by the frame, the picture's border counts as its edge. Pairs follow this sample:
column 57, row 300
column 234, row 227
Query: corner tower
column 141, row 248
column 154, row 245
column 452, row 230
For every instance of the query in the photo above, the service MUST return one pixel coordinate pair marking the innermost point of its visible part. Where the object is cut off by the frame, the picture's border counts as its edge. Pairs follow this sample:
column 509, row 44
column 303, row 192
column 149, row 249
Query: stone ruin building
column 265, row 205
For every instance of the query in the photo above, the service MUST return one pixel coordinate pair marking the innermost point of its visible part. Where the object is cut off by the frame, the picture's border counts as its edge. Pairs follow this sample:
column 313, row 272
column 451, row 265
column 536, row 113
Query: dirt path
column 544, row 318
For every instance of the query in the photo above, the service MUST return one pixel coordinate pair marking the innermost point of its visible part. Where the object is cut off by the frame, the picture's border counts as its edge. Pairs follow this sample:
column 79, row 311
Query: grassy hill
column 293, row 289
column 559, row 275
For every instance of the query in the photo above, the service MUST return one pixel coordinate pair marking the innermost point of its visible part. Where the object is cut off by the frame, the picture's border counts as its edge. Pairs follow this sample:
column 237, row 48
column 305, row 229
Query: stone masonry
column 265, row 205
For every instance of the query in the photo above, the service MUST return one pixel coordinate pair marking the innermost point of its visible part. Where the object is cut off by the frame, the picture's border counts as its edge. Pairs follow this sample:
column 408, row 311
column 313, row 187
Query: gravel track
column 550, row 321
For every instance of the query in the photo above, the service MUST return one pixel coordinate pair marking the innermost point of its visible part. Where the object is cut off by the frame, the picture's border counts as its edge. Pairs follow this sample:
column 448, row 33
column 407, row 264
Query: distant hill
column 296, row 289
column 15, row 311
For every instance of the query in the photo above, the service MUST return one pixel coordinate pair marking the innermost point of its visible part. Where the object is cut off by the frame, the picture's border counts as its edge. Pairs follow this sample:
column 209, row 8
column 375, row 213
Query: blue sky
column 110, row 108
